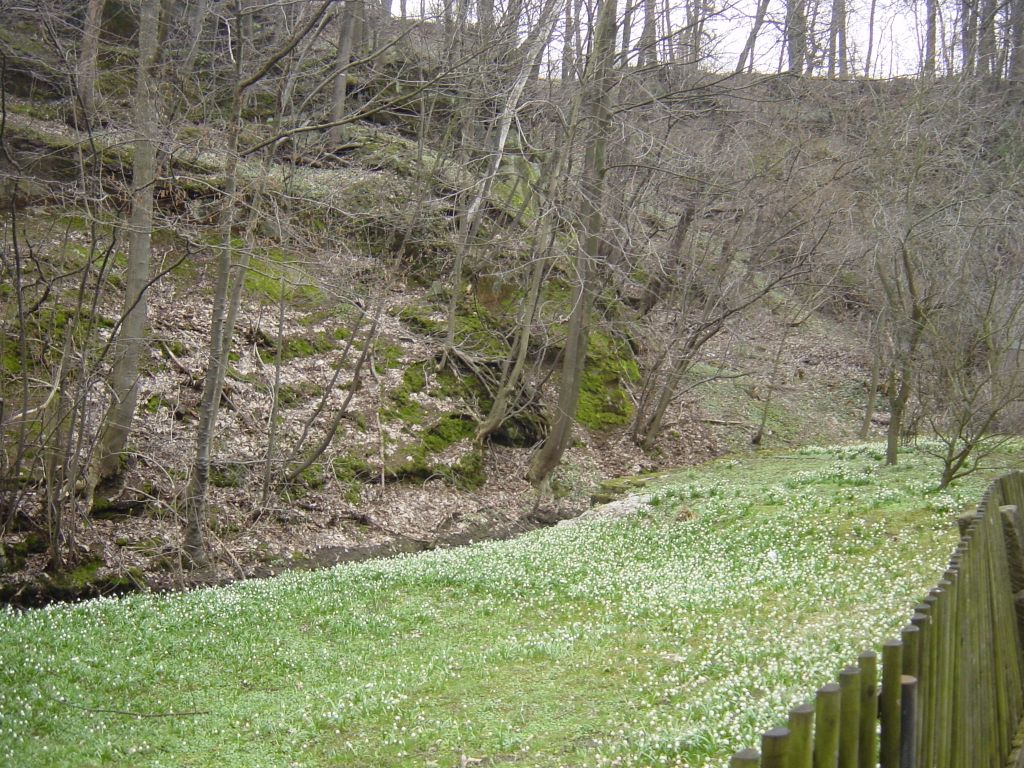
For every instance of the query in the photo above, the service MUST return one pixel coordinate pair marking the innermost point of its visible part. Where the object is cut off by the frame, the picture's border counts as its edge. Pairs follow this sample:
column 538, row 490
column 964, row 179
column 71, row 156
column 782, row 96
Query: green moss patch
column 274, row 274
column 402, row 407
column 416, row 460
column 610, row 367
column 476, row 330
column 294, row 346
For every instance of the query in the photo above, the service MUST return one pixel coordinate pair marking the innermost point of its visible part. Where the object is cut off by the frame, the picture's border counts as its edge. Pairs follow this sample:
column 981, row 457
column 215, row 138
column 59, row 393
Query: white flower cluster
column 670, row 638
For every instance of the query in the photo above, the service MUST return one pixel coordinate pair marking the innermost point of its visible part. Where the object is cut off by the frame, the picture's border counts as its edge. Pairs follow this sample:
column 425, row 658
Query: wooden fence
column 949, row 693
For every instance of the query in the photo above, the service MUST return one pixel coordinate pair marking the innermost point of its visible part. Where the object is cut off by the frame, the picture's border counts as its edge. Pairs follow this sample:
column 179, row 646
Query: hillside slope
column 353, row 246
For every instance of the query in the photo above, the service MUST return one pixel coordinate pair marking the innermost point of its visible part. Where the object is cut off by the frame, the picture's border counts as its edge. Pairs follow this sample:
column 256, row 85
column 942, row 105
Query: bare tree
column 88, row 56
column 528, row 56
column 596, row 90
column 131, row 341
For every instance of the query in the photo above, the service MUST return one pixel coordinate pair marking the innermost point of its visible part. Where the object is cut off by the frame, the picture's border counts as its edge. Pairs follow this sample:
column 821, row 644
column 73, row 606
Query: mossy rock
column 352, row 473
column 31, row 64
column 386, row 354
column 419, row 318
column 14, row 556
column 527, row 427
column 80, row 583
column 104, row 508
column 415, row 460
column 609, row 368
column 617, row 487
column 259, row 106
column 477, row 331
column 313, row 477
column 173, row 347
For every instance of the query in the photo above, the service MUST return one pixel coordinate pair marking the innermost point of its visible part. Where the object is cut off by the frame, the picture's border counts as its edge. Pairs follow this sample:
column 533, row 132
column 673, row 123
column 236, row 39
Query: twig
column 176, row 363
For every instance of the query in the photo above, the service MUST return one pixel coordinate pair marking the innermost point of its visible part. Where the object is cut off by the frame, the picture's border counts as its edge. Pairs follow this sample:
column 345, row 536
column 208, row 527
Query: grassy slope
column 679, row 633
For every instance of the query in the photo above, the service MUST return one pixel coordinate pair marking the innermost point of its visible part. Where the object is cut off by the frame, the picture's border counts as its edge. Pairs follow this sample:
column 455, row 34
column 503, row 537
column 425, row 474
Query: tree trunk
column 346, row 36
column 969, row 35
column 749, row 47
column 596, row 103
column 869, row 409
column 196, row 22
column 199, row 476
column 796, row 35
column 899, row 389
column 900, row 381
column 627, row 33
column 871, row 37
column 542, row 246
column 568, row 60
column 131, row 340
column 931, row 16
column 485, row 14
column 837, row 40
column 87, row 62
column 648, row 54
column 1016, row 41
column 652, row 426
column 268, row 464
column 987, row 40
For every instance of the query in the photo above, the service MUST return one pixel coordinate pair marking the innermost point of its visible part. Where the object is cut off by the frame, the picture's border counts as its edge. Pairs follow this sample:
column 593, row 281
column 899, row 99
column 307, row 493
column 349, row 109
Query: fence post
column 801, row 744
column 908, row 721
column 922, row 620
column 849, row 717
column 773, row 748
column 892, row 668
column 748, row 758
column 826, row 726
column 910, row 637
column 868, row 740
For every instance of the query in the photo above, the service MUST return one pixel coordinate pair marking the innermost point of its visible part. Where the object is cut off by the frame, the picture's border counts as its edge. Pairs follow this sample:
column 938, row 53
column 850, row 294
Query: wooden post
column 892, row 668
column 801, row 742
column 773, row 748
column 921, row 619
column 748, row 758
column 910, row 636
column 908, row 722
column 849, row 717
column 826, row 726
column 942, row 732
column 867, row 748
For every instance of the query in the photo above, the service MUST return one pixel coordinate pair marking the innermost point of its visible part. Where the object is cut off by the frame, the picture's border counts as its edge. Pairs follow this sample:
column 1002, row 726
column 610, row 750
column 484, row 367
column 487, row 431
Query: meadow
column 674, row 636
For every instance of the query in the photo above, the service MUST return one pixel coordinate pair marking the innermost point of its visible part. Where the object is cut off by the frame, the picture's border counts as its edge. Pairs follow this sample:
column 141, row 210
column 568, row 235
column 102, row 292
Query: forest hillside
column 294, row 284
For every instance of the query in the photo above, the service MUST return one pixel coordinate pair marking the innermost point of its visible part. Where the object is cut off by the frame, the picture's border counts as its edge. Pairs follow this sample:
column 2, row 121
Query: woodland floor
column 817, row 397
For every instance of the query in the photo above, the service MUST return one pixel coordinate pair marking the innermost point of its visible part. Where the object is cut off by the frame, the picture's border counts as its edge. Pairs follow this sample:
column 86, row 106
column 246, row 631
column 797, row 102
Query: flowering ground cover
column 671, row 637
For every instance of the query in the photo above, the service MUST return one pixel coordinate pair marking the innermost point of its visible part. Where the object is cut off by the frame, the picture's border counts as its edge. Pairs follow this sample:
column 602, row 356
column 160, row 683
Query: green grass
column 672, row 637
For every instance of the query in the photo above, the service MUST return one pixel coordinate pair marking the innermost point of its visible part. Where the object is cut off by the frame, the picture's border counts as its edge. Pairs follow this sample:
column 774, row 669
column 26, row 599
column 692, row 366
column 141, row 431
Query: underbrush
column 671, row 637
